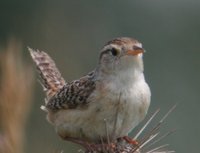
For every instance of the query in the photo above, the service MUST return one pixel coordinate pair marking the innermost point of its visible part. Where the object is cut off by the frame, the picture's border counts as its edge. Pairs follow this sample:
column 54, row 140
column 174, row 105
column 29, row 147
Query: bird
column 109, row 101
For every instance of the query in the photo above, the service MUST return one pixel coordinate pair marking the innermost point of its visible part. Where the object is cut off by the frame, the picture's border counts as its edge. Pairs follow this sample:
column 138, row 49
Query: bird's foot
column 130, row 140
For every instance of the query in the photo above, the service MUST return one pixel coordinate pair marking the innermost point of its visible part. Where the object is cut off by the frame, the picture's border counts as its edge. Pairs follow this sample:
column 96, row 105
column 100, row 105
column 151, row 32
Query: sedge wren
column 79, row 109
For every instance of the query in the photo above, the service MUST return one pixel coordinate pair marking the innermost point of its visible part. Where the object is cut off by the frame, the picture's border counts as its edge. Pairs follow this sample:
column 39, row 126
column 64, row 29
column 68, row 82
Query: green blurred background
column 73, row 32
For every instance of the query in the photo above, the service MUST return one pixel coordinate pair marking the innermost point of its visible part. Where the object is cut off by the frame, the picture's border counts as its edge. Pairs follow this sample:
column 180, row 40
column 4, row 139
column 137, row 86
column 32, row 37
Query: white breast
column 128, row 99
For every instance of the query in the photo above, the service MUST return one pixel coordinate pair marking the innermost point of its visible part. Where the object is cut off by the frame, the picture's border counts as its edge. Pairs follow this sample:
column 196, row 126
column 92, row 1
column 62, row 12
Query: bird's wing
column 52, row 81
column 72, row 94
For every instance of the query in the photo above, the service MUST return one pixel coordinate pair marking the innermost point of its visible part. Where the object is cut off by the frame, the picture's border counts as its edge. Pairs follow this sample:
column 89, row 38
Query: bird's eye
column 114, row 52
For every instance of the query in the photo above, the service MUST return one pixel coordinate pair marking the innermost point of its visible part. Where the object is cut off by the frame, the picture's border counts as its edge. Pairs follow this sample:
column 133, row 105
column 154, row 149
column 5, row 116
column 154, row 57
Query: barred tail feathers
column 52, row 80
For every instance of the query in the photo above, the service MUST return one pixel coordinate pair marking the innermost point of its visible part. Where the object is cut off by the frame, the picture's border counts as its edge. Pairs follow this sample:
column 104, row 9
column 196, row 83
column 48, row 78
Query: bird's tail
column 51, row 79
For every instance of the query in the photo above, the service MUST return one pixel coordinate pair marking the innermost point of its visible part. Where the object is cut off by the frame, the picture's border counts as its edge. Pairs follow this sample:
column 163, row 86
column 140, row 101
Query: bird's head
column 121, row 54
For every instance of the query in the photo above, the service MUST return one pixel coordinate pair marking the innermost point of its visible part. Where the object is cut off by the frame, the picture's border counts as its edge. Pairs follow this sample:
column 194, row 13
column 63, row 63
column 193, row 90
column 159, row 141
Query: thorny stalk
column 144, row 145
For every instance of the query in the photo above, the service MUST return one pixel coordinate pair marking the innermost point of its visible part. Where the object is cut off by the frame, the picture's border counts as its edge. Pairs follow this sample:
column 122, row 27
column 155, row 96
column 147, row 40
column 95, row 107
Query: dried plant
column 15, row 92
column 145, row 143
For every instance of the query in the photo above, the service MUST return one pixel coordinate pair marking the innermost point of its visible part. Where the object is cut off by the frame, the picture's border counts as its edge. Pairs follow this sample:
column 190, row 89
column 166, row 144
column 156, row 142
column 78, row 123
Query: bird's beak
column 135, row 51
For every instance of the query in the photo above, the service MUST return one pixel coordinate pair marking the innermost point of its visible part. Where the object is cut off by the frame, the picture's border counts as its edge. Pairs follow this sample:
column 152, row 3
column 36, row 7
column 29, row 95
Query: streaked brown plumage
column 72, row 94
column 52, row 81
column 61, row 95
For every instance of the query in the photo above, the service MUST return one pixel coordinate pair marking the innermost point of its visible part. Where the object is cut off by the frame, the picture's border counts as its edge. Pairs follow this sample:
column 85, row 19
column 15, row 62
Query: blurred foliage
column 73, row 32
column 16, row 86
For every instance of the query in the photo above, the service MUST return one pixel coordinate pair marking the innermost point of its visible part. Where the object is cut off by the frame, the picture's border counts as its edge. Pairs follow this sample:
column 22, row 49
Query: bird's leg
column 130, row 140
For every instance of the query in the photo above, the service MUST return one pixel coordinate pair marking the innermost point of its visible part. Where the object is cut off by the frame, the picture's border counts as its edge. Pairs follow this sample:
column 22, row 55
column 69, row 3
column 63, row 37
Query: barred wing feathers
column 51, row 79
